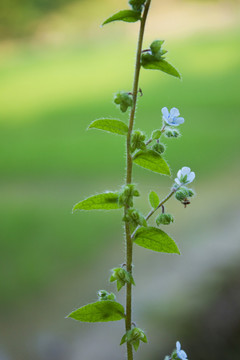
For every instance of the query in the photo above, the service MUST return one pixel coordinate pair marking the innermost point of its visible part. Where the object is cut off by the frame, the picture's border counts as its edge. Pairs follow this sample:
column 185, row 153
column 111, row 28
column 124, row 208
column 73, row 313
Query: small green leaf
column 100, row 311
column 154, row 199
column 124, row 339
column 124, row 15
column 164, row 66
column 120, row 284
column 144, row 338
column 136, row 345
column 156, row 240
column 151, row 160
column 106, row 201
column 110, row 125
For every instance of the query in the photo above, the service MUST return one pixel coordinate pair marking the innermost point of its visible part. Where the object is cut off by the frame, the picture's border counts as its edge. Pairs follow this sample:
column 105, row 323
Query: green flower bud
column 147, row 58
column 159, row 148
column 134, row 217
column 156, row 134
column 156, row 46
column 191, row 193
column 126, row 195
column 164, row 219
column 137, row 141
column 123, row 99
column 181, row 194
column 104, row 295
column 134, row 337
column 171, row 133
column 137, row 5
column 121, row 276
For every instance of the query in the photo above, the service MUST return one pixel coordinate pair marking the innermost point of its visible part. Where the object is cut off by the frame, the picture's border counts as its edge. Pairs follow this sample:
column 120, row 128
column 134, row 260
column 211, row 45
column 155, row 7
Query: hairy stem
column 129, row 247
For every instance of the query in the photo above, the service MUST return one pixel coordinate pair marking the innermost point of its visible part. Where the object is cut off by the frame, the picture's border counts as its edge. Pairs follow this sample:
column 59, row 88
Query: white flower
column 180, row 353
column 172, row 118
column 185, row 176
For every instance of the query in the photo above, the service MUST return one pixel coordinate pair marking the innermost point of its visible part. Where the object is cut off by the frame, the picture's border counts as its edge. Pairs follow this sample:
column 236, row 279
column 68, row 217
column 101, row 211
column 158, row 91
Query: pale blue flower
column 180, row 353
column 185, row 176
column 172, row 118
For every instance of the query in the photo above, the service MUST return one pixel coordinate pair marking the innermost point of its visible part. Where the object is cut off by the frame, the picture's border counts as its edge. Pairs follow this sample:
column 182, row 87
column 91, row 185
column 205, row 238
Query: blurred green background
column 58, row 71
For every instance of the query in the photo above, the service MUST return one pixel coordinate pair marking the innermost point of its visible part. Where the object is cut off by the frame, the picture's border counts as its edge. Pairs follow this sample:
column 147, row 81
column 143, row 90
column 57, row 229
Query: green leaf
column 100, row 311
column 106, row 201
column 136, row 344
column 164, row 66
column 120, row 284
column 124, row 339
column 154, row 199
column 151, row 160
column 110, row 125
column 156, row 240
column 124, row 15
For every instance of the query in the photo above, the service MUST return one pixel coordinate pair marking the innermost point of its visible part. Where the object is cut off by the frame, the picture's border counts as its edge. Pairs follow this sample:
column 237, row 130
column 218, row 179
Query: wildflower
column 185, row 176
column 172, row 118
column 180, row 353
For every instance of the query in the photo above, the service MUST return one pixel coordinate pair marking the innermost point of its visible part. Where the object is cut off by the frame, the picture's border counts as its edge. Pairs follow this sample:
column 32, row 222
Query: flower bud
column 133, row 337
column 147, row 58
column 121, row 276
column 191, row 193
column 137, row 141
column 156, row 46
column 156, row 134
column 159, row 148
column 126, row 195
column 181, row 194
column 123, row 99
column 171, row 133
column 137, row 5
column 104, row 295
column 134, row 217
column 164, row 219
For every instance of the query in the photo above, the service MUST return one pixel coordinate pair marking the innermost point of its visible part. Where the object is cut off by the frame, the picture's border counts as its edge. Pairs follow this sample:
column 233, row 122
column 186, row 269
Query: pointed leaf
column 151, row 160
column 124, row 15
column 120, row 284
column 124, row 339
column 110, row 125
column 144, row 338
column 136, row 345
column 164, row 66
column 100, row 311
column 106, row 201
column 154, row 199
column 156, row 240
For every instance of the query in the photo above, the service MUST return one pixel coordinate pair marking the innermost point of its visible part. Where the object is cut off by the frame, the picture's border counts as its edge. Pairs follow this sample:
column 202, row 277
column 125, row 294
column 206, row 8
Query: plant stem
column 129, row 245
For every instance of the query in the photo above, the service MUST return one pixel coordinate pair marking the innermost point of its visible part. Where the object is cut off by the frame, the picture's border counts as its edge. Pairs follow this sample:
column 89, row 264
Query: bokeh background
column 58, row 71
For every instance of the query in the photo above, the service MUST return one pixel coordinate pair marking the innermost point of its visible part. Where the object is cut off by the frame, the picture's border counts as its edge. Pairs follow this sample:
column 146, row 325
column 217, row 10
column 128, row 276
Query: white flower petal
column 179, row 174
column 179, row 121
column 191, row 176
column 174, row 112
column 185, row 170
column 165, row 112
column 183, row 354
column 178, row 345
column 178, row 181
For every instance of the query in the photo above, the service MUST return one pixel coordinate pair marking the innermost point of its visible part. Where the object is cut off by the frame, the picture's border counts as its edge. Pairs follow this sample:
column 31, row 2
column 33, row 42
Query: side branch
column 154, row 210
